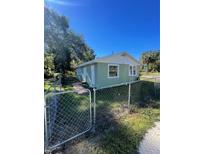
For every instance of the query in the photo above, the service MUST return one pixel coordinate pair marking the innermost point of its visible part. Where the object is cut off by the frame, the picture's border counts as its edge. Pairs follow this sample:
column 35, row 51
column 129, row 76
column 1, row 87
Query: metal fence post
column 155, row 88
column 60, row 83
column 46, row 127
column 94, row 106
column 90, row 97
column 129, row 96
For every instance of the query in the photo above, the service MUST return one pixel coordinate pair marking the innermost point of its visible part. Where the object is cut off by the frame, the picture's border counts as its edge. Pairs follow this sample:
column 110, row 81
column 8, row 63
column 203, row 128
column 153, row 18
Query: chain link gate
column 67, row 116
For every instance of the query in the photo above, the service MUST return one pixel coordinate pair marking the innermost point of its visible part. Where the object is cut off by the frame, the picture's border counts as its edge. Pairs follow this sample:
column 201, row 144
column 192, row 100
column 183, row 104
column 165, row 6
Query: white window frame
column 118, row 71
column 132, row 70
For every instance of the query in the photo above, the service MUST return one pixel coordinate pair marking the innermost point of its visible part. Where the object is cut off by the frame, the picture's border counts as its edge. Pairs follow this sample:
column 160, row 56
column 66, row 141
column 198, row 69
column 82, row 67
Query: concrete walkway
column 151, row 141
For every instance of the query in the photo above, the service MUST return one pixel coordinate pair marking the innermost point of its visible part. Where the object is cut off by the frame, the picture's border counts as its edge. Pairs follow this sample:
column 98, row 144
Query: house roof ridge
column 108, row 56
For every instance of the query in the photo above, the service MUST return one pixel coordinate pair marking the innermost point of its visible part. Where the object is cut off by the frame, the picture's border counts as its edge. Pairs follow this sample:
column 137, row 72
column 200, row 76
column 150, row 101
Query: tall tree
column 151, row 61
column 64, row 43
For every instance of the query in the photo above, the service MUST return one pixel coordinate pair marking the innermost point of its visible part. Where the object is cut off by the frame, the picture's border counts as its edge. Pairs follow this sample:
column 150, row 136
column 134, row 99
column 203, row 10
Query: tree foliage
column 68, row 48
column 49, row 67
column 151, row 61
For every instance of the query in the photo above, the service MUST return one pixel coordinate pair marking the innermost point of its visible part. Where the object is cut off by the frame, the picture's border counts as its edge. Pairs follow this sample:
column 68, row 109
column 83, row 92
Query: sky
column 111, row 26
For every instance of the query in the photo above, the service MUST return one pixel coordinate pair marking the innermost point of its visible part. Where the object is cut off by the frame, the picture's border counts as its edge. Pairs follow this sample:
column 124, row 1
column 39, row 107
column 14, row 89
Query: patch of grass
column 150, row 73
column 125, row 137
column 48, row 87
column 147, row 76
column 67, row 87
column 156, row 80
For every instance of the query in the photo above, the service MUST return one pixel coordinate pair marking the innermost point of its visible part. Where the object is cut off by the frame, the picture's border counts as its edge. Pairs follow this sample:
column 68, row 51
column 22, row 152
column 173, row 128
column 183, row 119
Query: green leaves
column 64, row 44
column 49, row 67
column 151, row 61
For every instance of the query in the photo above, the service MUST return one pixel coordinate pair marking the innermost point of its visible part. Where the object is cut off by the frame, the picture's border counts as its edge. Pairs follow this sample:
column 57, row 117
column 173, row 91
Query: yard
column 120, row 135
column 150, row 73
column 120, row 131
column 128, row 131
column 116, row 130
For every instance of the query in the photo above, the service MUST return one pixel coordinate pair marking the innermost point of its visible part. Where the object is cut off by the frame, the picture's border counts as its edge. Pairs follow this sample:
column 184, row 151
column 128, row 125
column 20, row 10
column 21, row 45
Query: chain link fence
column 67, row 115
column 141, row 93
column 70, row 114
column 145, row 93
column 109, row 100
column 128, row 93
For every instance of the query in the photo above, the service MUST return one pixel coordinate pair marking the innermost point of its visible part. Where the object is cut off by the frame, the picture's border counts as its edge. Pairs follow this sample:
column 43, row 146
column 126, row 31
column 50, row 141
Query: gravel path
column 151, row 141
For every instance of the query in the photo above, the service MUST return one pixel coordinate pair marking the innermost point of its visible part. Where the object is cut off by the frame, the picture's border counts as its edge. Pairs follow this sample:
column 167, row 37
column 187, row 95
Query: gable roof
column 119, row 58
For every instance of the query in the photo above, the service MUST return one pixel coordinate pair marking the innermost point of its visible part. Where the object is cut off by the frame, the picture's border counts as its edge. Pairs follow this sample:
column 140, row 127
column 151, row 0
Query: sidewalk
column 151, row 141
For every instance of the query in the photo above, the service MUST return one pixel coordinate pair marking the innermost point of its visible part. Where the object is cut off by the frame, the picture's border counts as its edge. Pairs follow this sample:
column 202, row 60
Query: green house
column 110, row 70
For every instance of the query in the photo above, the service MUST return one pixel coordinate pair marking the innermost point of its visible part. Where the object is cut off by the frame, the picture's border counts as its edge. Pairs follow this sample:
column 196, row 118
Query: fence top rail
column 116, row 85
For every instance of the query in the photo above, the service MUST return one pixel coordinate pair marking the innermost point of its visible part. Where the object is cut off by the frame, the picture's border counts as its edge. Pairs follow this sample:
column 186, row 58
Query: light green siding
column 101, row 75
column 102, row 79
column 78, row 73
column 87, row 75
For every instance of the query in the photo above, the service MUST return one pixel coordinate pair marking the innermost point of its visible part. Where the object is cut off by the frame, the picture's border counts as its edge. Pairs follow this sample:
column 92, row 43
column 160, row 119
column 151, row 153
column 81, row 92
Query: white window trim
column 118, row 71
column 132, row 70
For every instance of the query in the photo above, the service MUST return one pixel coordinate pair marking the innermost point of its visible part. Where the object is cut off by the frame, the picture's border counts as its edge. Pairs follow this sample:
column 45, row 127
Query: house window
column 132, row 70
column 113, row 71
